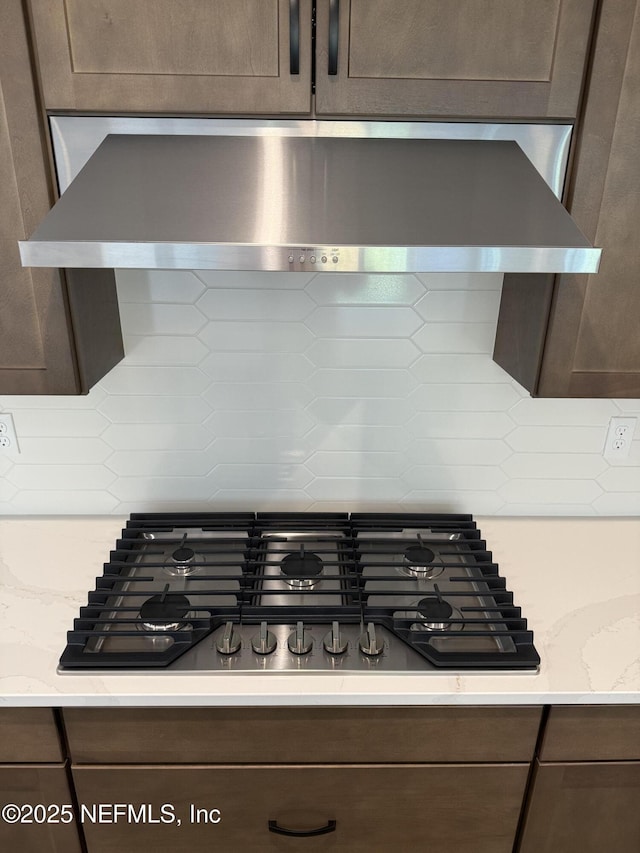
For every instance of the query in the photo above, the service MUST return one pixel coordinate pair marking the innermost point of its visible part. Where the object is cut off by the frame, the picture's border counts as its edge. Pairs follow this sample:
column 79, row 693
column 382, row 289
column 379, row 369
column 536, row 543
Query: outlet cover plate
column 619, row 438
column 8, row 437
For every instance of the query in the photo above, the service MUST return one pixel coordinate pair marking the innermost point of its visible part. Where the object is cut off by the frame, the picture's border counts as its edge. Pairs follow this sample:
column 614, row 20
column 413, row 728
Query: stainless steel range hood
column 303, row 196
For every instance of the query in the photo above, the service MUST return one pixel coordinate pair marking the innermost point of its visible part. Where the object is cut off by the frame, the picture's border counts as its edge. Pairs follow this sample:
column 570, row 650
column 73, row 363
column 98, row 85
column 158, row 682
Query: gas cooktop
column 273, row 592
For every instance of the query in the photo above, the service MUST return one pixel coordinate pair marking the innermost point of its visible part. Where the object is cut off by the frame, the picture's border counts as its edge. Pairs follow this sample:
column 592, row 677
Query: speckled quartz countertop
column 576, row 580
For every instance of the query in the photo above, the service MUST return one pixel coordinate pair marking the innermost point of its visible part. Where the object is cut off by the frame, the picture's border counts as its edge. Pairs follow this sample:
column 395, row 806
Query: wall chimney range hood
column 308, row 196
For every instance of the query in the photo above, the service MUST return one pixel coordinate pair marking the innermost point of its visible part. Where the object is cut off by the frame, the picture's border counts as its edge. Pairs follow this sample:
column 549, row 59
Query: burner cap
column 164, row 611
column 418, row 555
column 434, row 610
column 183, row 555
column 306, row 565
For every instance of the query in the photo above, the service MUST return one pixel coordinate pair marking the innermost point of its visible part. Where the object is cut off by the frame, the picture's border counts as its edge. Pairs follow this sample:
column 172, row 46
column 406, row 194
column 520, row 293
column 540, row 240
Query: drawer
column 469, row 809
column 29, row 734
column 592, row 733
column 300, row 735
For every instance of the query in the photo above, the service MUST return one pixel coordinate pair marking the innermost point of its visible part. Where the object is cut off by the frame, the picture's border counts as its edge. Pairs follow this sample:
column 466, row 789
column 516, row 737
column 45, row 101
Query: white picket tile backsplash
column 466, row 306
column 161, row 319
column 457, row 451
column 164, row 349
column 365, row 290
column 451, row 368
column 363, row 321
column 256, row 366
column 169, row 436
column 150, row 409
column 258, row 397
column 329, row 392
column 256, row 337
column 276, row 423
column 363, row 353
column 238, row 303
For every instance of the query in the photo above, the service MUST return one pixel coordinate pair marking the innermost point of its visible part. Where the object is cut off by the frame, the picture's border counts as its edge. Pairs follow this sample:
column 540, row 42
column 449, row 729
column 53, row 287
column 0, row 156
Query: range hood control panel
column 303, row 259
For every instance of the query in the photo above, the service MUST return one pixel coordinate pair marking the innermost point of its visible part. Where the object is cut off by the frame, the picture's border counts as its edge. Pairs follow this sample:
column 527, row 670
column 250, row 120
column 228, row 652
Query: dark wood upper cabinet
column 491, row 58
column 578, row 336
column 54, row 338
column 160, row 56
column 480, row 58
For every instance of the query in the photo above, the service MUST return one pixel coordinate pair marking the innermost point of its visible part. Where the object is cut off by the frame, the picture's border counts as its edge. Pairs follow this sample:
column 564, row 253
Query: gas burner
column 181, row 561
column 164, row 612
column 417, row 561
column 437, row 614
column 301, row 570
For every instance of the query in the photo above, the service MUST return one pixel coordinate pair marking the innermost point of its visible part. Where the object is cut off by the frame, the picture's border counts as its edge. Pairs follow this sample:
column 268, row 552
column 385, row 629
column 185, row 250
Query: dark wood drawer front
column 592, row 733
column 34, row 785
column 300, row 735
column 469, row 809
column 584, row 808
column 28, row 734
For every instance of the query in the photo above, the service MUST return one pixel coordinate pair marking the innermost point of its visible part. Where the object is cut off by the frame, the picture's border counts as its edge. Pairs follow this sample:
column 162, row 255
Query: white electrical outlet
column 8, row 437
column 619, row 436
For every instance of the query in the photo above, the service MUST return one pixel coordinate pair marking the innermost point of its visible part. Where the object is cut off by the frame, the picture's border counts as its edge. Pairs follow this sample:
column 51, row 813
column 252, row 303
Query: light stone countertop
column 577, row 581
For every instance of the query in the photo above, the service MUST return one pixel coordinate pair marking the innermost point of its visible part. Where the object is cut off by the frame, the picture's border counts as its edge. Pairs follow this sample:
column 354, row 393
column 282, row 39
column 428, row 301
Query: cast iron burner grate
column 141, row 578
column 460, row 614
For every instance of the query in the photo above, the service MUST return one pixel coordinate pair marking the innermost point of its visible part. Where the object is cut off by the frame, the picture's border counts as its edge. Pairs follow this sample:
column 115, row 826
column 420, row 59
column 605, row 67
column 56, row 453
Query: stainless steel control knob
column 264, row 642
column 229, row 642
column 300, row 642
column 370, row 643
column 334, row 641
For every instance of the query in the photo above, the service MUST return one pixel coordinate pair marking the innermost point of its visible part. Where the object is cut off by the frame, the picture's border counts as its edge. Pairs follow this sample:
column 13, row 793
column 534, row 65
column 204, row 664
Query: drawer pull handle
column 302, row 833
column 334, row 18
column 294, row 36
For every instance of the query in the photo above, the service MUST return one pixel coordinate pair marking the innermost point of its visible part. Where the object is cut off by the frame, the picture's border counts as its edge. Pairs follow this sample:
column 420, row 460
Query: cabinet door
column 593, row 346
column 164, row 56
column 584, row 808
column 33, row 785
column 577, row 335
column 35, row 346
column 466, row 808
column 58, row 335
column 488, row 58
